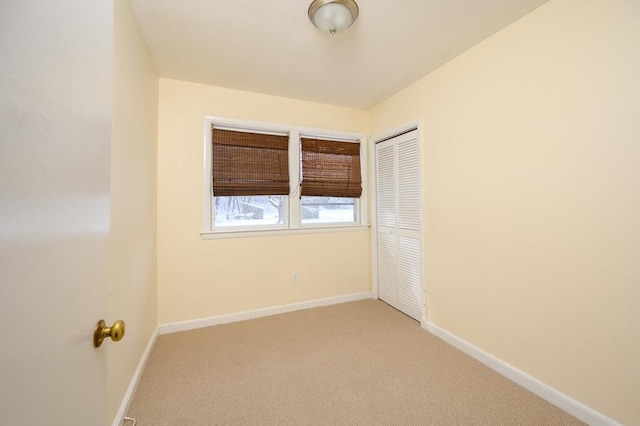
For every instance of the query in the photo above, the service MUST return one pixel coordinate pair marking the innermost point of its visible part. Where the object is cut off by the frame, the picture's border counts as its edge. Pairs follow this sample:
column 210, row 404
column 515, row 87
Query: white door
column 55, row 109
column 398, row 224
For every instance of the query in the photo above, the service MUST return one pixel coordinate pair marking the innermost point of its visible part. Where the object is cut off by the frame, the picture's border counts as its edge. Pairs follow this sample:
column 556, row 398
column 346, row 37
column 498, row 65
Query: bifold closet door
column 398, row 225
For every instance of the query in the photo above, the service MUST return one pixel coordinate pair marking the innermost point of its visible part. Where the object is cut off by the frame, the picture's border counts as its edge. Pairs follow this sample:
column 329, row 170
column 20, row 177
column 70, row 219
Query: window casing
column 266, row 214
column 250, row 178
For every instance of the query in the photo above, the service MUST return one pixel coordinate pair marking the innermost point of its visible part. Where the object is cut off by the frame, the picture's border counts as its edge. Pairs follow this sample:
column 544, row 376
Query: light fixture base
column 333, row 16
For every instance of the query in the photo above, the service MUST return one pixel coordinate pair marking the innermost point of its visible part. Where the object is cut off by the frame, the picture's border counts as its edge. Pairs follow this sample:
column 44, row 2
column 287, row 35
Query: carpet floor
column 359, row 363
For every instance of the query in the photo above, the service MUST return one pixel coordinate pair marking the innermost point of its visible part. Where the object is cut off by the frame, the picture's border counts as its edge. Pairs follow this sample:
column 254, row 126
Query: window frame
column 294, row 223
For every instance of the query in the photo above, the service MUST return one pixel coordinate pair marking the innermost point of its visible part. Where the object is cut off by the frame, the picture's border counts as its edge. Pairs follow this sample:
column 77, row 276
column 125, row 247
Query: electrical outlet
column 294, row 277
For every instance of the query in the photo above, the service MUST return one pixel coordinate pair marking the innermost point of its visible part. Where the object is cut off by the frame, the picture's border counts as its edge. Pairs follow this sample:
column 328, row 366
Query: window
column 261, row 178
column 250, row 210
column 250, row 178
column 331, row 181
column 328, row 210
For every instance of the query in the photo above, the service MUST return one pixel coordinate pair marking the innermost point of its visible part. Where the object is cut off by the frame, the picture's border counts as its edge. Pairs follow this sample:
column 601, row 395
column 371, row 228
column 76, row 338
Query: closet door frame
column 409, row 126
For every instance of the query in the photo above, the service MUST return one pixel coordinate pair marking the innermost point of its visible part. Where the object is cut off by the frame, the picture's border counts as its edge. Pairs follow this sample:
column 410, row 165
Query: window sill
column 211, row 235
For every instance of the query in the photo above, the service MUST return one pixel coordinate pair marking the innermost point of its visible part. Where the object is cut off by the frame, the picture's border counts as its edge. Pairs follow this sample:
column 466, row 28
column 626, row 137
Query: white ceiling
column 269, row 46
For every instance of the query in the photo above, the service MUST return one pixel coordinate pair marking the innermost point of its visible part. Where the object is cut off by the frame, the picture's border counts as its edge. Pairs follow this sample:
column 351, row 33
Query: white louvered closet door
column 398, row 225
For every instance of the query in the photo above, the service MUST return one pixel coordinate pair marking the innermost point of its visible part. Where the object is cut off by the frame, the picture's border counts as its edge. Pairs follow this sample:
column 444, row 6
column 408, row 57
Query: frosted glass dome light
column 333, row 16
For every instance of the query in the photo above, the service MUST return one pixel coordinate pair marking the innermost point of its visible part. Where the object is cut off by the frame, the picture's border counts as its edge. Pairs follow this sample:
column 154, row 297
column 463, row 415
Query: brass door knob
column 116, row 332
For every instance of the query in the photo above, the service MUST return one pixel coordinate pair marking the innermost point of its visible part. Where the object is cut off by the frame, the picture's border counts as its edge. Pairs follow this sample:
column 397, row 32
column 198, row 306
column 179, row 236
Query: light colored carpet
column 360, row 363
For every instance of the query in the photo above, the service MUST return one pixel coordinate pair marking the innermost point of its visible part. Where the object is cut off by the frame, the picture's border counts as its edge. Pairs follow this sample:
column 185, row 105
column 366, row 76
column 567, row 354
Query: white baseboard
column 126, row 401
column 546, row 392
column 258, row 313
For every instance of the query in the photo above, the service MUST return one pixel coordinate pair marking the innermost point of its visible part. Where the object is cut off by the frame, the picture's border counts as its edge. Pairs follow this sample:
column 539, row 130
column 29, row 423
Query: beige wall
column 198, row 278
column 132, row 237
column 532, row 197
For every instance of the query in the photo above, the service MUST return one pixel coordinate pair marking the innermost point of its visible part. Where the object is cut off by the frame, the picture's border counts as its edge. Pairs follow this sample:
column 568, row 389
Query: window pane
column 250, row 210
column 328, row 210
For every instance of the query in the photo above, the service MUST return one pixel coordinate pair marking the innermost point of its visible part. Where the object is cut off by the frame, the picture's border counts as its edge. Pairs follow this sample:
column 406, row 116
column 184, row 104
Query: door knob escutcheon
column 101, row 332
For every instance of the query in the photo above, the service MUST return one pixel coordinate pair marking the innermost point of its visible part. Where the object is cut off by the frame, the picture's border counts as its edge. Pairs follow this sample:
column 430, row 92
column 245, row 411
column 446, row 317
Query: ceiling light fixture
column 333, row 16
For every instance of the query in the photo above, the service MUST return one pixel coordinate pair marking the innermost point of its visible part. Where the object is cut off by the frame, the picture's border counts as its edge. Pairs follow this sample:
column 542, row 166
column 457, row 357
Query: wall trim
column 135, row 380
column 546, row 392
column 258, row 313
column 416, row 123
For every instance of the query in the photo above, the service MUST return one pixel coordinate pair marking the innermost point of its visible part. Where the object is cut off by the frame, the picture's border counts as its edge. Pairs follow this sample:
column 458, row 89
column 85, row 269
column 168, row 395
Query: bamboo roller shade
column 249, row 163
column 330, row 168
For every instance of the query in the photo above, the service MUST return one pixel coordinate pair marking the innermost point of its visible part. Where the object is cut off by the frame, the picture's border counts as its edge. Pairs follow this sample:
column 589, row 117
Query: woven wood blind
column 249, row 163
column 330, row 168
